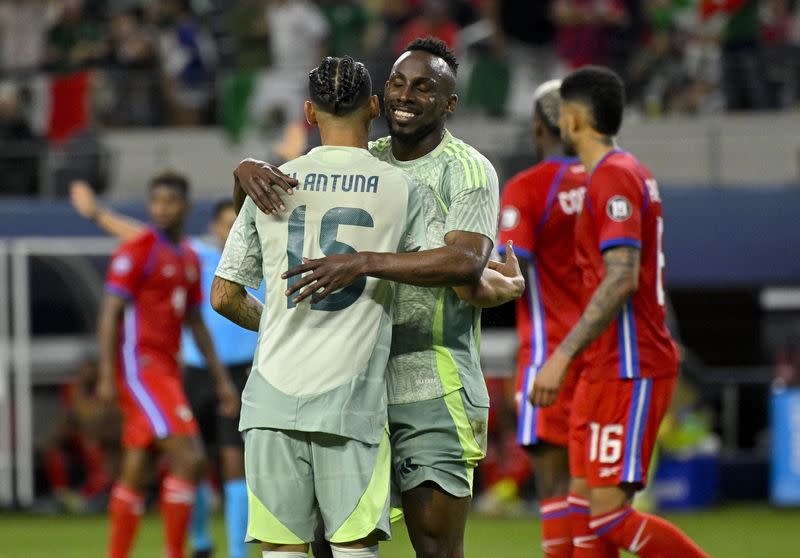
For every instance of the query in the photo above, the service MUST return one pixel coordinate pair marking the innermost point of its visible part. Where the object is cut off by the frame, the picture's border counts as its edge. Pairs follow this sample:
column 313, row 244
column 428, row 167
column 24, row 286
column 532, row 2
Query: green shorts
column 439, row 440
column 292, row 474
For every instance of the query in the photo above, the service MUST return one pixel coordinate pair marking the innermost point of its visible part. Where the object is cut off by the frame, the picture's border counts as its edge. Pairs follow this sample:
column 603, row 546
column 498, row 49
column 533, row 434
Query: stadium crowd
column 71, row 68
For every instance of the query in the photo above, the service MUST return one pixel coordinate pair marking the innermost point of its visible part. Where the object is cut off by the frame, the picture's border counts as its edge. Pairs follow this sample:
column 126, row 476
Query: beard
column 410, row 136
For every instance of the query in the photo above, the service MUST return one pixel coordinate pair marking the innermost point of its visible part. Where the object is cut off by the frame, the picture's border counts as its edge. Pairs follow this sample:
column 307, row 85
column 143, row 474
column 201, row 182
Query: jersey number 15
column 329, row 230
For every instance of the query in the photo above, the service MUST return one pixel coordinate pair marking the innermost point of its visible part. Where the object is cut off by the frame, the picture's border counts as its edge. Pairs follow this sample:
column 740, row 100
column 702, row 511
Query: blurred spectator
column 297, row 35
column 133, row 64
column 656, row 68
column 23, row 29
column 348, row 21
column 81, row 456
column 188, row 59
column 743, row 77
column 434, row 21
column 780, row 29
column 699, row 33
column 586, row 30
column 247, row 26
column 75, row 41
column 523, row 49
column 20, row 149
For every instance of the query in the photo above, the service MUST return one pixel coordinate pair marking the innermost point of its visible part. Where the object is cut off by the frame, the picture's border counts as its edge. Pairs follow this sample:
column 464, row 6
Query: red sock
column 556, row 538
column 177, row 498
column 585, row 543
column 644, row 535
column 125, row 509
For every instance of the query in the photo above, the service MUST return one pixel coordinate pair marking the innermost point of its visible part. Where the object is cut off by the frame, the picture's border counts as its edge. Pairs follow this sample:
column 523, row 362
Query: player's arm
column 108, row 334
column 619, row 283
column 229, row 400
column 460, row 262
column 261, row 182
column 500, row 282
column 240, row 266
column 232, row 300
column 85, row 203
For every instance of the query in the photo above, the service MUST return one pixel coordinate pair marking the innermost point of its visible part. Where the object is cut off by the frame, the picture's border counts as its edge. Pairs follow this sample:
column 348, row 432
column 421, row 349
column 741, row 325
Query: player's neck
column 173, row 234
column 412, row 148
column 551, row 150
column 343, row 136
column 592, row 150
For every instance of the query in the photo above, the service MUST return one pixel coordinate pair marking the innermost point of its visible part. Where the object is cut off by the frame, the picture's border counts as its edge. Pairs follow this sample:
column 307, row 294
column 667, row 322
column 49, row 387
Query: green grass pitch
column 735, row 532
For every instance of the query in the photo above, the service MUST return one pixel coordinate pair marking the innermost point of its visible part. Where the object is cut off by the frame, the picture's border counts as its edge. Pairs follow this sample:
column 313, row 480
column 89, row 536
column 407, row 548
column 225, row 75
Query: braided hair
column 339, row 85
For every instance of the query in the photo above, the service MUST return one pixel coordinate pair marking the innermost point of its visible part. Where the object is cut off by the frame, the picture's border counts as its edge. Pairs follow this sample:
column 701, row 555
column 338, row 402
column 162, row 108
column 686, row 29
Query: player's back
column 161, row 279
column 539, row 209
column 331, row 355
column 623, row 208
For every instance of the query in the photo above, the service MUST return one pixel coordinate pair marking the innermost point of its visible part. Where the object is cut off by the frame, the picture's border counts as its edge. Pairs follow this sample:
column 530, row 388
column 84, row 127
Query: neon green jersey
column 436, row 335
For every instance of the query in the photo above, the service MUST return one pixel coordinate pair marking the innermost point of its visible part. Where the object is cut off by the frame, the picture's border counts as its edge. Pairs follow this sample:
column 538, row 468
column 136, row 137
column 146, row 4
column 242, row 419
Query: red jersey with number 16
column 161, row 280
column 623, row 208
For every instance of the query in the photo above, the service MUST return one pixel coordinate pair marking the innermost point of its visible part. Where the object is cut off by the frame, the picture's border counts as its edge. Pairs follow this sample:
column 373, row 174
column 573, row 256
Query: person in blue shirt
column 235, row 347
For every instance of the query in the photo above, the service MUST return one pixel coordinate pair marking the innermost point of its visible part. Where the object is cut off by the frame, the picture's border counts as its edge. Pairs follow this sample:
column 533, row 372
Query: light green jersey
column 436, row 335
column 322, row 367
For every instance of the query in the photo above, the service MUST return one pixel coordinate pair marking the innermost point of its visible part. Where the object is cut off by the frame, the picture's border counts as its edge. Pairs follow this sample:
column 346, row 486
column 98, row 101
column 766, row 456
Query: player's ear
column 311, row 115
column 374, row 107
column 452, row 103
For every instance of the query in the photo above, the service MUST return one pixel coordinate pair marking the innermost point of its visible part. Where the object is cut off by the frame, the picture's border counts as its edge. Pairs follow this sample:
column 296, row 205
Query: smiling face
column 419, row 96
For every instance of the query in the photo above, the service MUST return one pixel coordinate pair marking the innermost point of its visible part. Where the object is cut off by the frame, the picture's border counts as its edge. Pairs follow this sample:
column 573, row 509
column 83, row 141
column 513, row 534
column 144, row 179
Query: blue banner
column 785, row 482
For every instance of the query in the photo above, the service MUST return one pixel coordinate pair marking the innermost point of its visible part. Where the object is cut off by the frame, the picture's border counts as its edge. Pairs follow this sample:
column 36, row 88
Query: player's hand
column 548, row 380
column 510, row 268
column 83, row 199
column 263, row 183
column 324, row 276
column 228, row 397
column 107, row 389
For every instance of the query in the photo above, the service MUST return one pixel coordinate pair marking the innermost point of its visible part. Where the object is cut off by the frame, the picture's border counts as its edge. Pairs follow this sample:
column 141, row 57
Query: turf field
column 739, row 532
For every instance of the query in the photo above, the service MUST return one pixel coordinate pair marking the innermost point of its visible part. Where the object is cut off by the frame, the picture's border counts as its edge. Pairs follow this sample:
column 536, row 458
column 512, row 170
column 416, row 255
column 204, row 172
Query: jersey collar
column 446, row 138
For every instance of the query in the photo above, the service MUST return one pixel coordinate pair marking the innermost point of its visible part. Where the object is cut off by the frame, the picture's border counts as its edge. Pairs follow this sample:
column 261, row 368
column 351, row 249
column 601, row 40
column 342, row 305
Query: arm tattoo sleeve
column 236, row 304
column 619, row 283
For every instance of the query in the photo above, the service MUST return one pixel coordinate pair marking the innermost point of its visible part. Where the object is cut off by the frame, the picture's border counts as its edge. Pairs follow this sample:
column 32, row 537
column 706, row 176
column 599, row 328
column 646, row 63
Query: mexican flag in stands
column 61, row 104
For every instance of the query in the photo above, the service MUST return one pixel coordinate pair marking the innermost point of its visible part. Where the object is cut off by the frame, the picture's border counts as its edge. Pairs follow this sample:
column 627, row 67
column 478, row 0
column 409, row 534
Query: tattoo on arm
column 235, row 303
column 619, row 283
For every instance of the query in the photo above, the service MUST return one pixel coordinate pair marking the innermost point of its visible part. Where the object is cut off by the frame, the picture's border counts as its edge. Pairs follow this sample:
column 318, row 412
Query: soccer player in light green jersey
column 314, row 409
column 438, row 403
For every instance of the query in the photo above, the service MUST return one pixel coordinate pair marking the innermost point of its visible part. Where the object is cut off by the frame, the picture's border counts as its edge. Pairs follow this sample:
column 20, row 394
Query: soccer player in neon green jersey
column 438, row 404
column 314, row 407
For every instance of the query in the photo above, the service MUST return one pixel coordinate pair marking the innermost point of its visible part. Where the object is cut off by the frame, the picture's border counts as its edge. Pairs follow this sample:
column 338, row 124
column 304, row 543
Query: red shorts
column 613, row 428
column 547, row 424
column 153, row 407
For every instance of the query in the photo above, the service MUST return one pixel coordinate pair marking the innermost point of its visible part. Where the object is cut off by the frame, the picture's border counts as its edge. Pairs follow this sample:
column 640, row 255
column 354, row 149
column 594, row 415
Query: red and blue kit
column 160, row 280
column 539, row 209
column 630, row 370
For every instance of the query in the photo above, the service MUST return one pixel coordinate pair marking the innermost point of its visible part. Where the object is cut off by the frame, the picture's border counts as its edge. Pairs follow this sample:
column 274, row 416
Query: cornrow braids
column 339, row 86
column 436, row 47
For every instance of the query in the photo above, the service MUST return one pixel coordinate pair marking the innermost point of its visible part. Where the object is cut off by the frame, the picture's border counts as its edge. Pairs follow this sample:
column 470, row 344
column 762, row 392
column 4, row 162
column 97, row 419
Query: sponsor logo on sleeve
column 510, row 218
column 619, row 209
column 122, row 264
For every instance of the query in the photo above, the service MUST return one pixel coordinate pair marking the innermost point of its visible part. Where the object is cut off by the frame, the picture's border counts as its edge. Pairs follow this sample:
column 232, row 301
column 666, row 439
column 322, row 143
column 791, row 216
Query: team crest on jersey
column 619, row 209
column 510, row 218
column 184, row 413
column 122, row 265
column 191, row 273
column 168, row 271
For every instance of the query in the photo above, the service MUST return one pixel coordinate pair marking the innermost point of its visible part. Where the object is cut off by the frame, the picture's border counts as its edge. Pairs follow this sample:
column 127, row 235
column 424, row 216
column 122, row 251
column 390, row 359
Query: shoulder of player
column 380, row 146
column 142, row 242
column 614, row 169
column 463, row 159
column 540, row 175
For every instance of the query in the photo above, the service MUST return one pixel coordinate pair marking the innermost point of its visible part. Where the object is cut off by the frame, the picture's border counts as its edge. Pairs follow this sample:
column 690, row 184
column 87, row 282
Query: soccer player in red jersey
column 539, row 208
column 630, row 363
column 152, row 290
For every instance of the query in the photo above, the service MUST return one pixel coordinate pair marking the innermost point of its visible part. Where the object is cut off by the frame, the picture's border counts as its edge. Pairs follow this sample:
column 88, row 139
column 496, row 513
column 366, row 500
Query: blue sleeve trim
column 614, row 242
column 119, row 291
